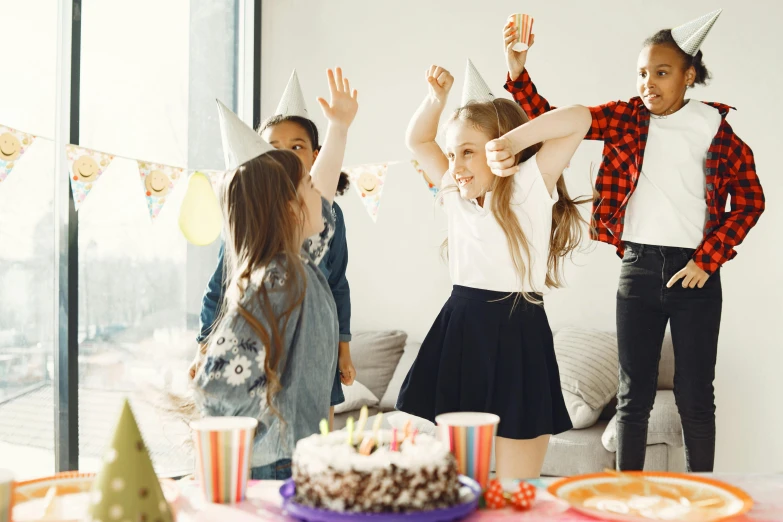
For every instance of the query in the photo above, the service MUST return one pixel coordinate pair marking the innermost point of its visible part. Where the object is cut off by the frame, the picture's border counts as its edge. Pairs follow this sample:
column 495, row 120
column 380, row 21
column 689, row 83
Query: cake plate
column 470, row 492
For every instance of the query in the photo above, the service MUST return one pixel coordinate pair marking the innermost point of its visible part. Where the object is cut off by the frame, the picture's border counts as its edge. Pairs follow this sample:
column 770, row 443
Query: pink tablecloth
column 264, row 504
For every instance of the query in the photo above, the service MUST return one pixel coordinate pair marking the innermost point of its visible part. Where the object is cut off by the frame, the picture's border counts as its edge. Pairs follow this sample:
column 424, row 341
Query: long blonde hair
column 495, row 118
column 264, row 215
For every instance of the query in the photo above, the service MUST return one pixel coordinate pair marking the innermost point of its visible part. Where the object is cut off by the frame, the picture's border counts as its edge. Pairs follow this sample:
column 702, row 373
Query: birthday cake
column 374, row 473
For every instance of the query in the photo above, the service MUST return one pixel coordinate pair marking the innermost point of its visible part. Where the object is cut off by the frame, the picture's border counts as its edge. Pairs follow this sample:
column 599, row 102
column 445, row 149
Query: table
column 264, row 503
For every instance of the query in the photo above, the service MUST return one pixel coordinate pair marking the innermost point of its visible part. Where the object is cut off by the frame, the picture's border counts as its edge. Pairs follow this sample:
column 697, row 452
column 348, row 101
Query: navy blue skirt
column 483, row 354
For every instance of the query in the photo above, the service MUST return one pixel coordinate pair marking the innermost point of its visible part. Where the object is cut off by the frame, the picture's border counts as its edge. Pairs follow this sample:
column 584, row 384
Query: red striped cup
column 524, row 26
column 223, row 449
column 470, row 437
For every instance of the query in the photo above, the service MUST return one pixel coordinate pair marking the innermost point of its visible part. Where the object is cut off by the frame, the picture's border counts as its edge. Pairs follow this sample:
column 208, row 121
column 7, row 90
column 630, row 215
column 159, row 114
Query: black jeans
column 644, row 307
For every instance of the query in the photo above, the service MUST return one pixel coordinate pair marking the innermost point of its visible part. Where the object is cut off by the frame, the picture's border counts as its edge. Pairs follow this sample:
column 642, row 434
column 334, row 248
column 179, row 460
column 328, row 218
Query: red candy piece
column 523, row 498
column 493, row 496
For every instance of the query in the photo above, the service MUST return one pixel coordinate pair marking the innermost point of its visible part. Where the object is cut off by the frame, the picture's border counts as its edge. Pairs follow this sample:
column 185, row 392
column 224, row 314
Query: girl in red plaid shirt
column 669, row 166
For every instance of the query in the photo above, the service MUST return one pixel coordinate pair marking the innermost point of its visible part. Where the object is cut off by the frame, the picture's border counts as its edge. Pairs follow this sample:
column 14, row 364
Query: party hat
column 292, row 103
column 127, row 487
column 240, row 142
column 691, row 35
column 475, row 88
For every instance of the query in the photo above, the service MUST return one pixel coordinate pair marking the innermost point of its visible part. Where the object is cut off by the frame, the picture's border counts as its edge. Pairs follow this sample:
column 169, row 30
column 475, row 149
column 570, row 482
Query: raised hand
column 515, row 60
column 342, row 109
column 440, row 81
column 501, row 158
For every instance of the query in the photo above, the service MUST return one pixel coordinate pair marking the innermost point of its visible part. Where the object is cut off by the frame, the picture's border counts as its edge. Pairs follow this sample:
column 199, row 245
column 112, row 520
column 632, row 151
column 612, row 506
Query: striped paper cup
column 6, row 497
column 223, row 449
column 524, row 25
column 470, row 437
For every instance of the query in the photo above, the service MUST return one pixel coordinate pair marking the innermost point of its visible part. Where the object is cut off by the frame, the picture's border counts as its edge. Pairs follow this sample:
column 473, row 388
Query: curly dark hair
column 664, row 37
column 312, row 132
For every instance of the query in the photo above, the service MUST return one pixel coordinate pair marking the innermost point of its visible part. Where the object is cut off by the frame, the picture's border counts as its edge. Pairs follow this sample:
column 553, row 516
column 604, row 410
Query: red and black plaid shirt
column 623, row 127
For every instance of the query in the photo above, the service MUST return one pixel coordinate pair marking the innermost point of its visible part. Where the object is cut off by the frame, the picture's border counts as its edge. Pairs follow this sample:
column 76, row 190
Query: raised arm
column 560, row 130
column 340, row 113
column 423, row 128
column 518, row 81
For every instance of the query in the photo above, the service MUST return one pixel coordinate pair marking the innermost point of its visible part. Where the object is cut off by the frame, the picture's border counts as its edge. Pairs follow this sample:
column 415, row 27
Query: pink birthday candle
column 394, row 439
column 413, row 437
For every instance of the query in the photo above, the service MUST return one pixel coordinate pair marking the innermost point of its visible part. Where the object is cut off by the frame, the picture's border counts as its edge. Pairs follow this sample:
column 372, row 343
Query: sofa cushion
column 341, row 419
column 398, row 419
column 375, row 356
column 666, row 365
column 576, row 452
column 389, row 399
column 356, row 396
column 588, row 365
column 581, row 414
column 664, row 428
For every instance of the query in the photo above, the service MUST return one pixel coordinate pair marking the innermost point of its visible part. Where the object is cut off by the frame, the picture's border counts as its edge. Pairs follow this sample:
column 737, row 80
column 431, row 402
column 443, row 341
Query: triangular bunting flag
column 13, row 144
column 368, row 182
column 691, row 35
column 85, row 166
column 240, row 142
column 433, row 188
column 292, row 103
column 158, row 181
column 200, row 219
column 126, row 487
column 474, row 88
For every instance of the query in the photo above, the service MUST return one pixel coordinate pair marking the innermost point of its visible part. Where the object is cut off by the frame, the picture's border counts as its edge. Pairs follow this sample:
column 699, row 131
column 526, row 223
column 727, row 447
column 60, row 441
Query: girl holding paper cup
column 490, row 349
column 669, row 167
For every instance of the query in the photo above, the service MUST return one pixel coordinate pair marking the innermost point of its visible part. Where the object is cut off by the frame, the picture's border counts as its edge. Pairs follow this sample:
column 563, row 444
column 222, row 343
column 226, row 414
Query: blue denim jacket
column 333, row 266
column 232, row 380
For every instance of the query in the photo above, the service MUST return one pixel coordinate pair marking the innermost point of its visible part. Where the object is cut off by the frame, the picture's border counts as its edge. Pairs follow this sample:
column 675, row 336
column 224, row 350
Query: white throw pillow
column 399, row 418
column 356, row 396
column 389, row 399
column 588, row 365
column 581, row 414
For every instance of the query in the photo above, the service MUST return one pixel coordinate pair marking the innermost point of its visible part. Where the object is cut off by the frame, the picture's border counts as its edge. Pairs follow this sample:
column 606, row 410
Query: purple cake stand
column 469, row 498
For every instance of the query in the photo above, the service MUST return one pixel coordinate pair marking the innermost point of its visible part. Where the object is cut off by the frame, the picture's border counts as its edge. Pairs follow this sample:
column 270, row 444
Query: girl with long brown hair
column 490, row 349
column 271, row 354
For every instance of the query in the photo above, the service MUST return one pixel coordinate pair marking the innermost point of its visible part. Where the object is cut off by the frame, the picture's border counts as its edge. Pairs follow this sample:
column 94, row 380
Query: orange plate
column 74, row 482
column 577, row 490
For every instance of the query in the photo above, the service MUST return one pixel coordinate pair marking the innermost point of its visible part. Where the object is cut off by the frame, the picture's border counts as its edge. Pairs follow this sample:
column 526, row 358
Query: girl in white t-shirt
column 490, row 349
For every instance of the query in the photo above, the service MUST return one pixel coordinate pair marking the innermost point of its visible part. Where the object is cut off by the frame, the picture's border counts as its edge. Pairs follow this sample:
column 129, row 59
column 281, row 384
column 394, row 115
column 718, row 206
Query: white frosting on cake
column 318, row 453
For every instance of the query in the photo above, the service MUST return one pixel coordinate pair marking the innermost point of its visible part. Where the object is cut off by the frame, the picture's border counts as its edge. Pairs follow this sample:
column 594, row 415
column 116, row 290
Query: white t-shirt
column 478, row 249
column 669, row 207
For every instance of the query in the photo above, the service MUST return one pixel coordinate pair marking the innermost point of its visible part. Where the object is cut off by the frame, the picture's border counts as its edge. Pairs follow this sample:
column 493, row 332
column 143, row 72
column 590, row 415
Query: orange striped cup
column 524, row 25
column 470, row 437
column 223, row 449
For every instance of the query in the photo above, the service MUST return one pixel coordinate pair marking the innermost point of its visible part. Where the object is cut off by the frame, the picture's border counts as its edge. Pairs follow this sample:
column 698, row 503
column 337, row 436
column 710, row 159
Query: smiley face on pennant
column 13, row 144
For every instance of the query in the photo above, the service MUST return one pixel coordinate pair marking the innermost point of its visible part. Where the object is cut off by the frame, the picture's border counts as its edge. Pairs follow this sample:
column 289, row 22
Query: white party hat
column 240, row 142
column 691, row 35
column 474, row 88
column 292, row 103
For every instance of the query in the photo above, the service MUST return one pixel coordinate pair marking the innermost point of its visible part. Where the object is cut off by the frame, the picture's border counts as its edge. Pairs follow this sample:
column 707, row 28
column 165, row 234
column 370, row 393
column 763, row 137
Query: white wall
column 585, row 53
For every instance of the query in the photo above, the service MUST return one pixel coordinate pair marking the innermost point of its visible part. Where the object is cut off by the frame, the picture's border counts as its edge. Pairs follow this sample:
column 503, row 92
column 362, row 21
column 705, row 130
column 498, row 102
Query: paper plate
column 637, row 496
column 29, row 495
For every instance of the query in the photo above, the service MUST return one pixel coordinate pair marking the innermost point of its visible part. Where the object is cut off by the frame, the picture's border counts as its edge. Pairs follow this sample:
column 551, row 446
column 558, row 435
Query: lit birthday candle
column 363, row 414
column 349, row 427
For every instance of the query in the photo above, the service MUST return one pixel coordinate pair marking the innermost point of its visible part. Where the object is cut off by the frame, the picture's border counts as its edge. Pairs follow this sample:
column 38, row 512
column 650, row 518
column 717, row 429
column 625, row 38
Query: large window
column 147, row 92
column 27, row 97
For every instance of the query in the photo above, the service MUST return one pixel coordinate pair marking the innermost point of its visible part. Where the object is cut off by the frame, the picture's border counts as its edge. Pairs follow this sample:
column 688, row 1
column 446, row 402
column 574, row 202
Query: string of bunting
column 157, row 181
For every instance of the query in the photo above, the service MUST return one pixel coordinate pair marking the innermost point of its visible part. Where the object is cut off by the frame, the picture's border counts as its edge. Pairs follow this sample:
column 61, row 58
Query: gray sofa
column 382, row 360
